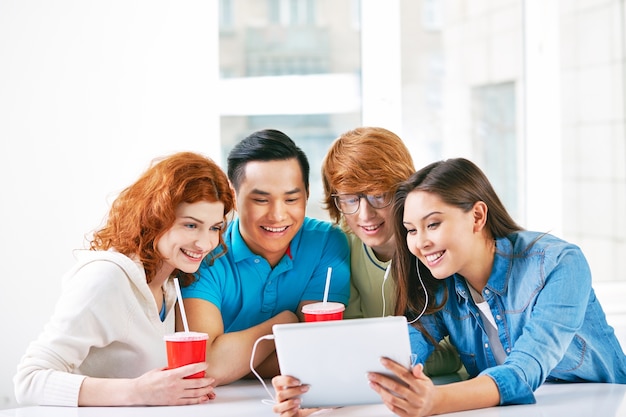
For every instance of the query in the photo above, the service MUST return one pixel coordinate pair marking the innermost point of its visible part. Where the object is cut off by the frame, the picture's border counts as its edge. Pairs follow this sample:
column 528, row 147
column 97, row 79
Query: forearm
column 229, row 355
column 106, row 392
column 155, row 387
column 479, row 392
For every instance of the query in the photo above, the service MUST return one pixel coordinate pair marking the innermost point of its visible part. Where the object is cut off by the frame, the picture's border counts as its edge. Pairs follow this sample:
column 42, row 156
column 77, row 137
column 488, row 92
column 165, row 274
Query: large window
column 495, row 139
column 291, row 65
column 531, row 91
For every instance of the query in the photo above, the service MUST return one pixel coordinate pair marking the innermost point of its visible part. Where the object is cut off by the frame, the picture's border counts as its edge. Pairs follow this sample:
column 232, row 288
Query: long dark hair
column 460, row 183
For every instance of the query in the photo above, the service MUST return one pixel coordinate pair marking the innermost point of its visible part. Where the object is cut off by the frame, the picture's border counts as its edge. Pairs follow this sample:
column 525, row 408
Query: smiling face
column 442, row 236
column 374, row 227
column 271, row 203
column 193, row 235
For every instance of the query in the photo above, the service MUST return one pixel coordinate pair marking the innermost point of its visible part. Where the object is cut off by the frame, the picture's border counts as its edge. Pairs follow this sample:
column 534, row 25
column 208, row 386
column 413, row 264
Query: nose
column 417, row 242
column 422, row 240
column 365, row 210
column 208, row 241
column 277, row 211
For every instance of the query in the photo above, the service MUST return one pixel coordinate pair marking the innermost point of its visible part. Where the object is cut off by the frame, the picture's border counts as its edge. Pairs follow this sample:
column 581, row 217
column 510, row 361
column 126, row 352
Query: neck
column 480, row 270
column 383, row 253
column 162, row 275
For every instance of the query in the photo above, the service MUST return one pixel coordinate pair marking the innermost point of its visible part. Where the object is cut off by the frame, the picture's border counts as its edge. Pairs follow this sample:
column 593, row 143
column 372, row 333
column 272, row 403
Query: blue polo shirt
column 248, row 291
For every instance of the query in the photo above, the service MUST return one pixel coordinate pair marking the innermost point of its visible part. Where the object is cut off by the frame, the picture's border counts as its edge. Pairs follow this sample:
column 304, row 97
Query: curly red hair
column 144, row 211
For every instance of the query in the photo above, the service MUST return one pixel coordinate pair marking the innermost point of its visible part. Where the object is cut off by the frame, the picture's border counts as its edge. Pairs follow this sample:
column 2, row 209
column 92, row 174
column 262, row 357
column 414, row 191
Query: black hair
column 265, row 145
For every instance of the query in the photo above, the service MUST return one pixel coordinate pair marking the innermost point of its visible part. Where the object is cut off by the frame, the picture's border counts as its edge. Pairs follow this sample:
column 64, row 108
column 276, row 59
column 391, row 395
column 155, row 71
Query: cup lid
column 323, row 308
column 185, row 336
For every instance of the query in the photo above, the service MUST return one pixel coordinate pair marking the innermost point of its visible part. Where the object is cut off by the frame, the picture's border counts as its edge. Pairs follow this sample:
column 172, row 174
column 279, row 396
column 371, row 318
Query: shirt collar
column 501, row 269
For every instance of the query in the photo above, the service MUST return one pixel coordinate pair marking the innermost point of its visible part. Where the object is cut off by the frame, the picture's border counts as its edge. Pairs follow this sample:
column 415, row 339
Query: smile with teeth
column 194, row 255
column 371, row 228
column 275, row 229
column 433, row 257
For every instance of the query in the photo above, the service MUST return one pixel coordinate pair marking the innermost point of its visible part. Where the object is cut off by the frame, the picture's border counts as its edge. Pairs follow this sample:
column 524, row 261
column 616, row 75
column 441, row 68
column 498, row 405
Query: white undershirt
column 492, row 333
column 483, row 306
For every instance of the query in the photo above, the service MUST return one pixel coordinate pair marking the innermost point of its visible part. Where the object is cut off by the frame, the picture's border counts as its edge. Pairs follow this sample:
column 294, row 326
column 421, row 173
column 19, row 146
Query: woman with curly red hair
column 104, row 344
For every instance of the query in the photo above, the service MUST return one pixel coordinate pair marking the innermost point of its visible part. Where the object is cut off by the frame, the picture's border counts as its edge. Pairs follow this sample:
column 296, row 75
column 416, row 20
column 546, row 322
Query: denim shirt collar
column 500, row 271
column 460, row 287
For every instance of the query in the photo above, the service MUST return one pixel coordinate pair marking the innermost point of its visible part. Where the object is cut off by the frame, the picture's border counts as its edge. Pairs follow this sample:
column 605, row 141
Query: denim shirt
column 550, row 322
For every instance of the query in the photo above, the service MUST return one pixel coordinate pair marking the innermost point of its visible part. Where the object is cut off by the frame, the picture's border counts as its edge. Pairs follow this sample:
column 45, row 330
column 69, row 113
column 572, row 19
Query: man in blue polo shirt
column 276, row 260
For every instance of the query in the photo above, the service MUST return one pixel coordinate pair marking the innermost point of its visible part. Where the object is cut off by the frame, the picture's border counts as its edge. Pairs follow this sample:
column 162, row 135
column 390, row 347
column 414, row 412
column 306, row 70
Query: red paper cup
column 323, row 311
column 184, row 348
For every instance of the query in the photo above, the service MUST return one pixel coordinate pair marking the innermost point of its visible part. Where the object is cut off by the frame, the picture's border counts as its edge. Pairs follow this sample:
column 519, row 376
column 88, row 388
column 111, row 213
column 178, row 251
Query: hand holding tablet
column 334, row 357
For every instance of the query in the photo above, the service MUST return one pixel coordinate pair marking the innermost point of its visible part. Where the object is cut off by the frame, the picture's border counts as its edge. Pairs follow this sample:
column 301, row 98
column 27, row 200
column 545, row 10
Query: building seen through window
column 531, row 92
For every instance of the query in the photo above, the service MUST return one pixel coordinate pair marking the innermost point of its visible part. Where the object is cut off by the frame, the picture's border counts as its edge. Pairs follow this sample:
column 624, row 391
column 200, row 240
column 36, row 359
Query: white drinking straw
column 181, row 305
column 328, row 274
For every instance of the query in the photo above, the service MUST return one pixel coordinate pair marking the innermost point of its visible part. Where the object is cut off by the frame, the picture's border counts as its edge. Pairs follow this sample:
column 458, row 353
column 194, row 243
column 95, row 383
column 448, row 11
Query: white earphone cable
column 417, row 264
column 419, row 276
column 382, row 287
column 266, row 337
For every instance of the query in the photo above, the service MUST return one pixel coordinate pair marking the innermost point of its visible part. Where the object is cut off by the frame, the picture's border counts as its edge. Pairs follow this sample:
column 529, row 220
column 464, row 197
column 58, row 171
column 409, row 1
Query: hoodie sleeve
column 48, row 372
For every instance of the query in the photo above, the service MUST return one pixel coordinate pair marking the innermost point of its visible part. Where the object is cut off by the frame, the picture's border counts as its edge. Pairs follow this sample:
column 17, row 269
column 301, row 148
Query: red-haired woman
column 104, row 345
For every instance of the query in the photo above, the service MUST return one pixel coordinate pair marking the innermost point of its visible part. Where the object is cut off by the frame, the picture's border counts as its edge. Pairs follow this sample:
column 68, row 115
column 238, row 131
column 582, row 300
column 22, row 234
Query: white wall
column 90, row 92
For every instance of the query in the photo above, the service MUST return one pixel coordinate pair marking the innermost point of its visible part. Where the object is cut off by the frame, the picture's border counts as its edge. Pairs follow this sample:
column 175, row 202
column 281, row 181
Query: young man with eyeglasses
column 360, row 173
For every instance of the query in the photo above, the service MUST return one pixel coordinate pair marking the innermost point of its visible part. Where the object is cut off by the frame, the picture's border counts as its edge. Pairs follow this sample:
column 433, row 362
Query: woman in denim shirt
column 518, row 305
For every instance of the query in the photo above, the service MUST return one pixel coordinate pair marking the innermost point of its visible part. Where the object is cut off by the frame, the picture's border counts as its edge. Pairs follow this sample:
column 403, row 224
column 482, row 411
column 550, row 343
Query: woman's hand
column 413, row 395
column 288, row 389
column 169, row 386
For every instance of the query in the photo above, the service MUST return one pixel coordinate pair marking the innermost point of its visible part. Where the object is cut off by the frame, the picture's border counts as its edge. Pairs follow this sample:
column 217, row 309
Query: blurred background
column 90, row 92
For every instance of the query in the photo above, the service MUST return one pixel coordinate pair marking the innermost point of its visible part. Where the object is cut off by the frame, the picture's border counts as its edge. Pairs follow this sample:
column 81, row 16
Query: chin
column 376, row 239
column 439, row 275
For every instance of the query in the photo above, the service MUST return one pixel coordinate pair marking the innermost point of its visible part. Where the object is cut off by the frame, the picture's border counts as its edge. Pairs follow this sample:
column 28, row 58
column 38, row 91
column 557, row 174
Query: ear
column 479, row 211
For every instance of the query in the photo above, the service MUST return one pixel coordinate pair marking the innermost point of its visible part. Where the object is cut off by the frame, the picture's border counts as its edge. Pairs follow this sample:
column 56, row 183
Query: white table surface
column 244, row 398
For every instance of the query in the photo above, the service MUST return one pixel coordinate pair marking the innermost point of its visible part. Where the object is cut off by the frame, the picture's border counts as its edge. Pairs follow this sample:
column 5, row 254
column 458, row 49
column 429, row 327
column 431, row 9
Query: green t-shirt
column 366, row 283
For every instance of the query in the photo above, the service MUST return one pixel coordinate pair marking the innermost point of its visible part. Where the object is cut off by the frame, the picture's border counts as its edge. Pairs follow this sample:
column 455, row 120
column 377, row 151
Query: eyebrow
column 192, row 218
column 425, row 217
column 430, row 214
column 289, row 192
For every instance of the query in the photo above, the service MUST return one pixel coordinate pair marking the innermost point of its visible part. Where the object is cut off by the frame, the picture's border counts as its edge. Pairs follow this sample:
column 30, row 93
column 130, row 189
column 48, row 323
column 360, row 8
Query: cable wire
column 264, row 401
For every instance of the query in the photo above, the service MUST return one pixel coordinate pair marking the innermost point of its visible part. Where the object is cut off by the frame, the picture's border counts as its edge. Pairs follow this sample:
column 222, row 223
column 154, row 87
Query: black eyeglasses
column 349, row 203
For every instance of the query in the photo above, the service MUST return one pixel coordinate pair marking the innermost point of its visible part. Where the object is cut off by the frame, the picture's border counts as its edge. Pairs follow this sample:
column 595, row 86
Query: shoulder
column 213, row 276
column 316, row 227
column 541, row 255
column 354, row 242
column 322, row 233
column 220, row 266
column 311, row 224
column 100, row 278
column 539, row 243
column 103, row 268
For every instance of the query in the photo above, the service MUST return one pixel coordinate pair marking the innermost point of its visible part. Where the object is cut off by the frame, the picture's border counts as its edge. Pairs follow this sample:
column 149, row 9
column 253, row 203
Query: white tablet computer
column 334, row 357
